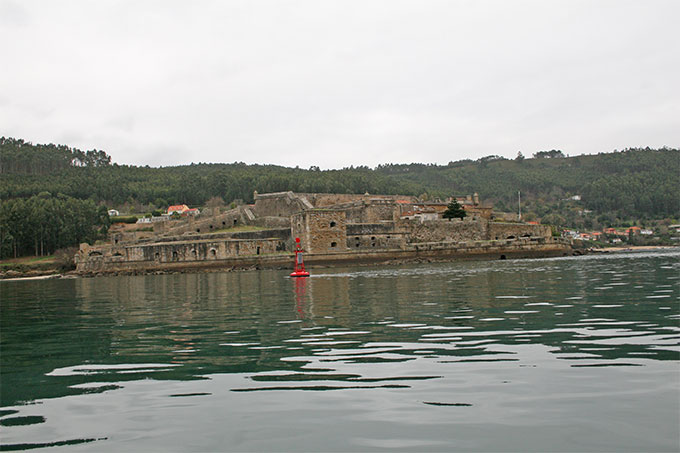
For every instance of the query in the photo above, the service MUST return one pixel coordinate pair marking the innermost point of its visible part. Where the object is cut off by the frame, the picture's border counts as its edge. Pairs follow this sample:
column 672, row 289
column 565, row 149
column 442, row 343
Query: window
column 334, row 244
column 332, row 224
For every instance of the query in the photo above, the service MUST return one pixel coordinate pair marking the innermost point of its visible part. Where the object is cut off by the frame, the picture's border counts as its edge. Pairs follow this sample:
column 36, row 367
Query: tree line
column 43, row 224
column 20, row 157
column 634, row 183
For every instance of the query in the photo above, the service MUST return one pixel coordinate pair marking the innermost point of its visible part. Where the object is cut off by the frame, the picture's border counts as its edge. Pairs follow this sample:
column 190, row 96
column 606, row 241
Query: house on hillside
column 178, row 208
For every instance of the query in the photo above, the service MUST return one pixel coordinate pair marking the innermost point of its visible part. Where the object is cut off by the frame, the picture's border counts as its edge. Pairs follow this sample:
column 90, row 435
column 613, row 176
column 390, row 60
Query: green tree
column 454, row 211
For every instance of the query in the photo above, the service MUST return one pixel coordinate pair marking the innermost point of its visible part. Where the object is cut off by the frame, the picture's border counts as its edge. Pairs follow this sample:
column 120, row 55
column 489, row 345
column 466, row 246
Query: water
column 568, row 354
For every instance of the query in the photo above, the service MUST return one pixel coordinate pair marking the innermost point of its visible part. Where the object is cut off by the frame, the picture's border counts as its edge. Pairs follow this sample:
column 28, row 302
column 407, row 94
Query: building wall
column 371, row 211
column 321, row 231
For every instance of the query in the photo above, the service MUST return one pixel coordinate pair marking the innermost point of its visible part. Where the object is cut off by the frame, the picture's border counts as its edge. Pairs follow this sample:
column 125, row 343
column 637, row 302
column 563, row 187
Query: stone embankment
column 433, row 251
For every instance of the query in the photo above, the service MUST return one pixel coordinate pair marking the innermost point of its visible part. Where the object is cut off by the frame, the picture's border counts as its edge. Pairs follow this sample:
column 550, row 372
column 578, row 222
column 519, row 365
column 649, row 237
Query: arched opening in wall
column 527, row 235
column 115, row 241
column 213, row 253
column 193, row 254
column 198, row 230
column 372, row 244
column 174, row 256
column 510, row 237
column 224, row 223
column 372, row 238
column 234, row 222
column 157, row 256
column 95, row 253
column 258, row 251
column 503, row 257
column 334, row 244
column 211, row 227
column 332, row 224
column 117, row 254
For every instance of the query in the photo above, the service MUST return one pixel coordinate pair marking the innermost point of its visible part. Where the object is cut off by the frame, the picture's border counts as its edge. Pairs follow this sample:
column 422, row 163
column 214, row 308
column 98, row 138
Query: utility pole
column 519, row 206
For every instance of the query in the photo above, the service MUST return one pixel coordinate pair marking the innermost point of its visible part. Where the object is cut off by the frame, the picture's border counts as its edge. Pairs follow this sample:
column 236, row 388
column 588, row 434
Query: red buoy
column 299, row 263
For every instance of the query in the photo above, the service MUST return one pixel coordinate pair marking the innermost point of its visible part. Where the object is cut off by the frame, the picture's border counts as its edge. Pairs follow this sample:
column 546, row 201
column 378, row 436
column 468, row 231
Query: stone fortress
column 333, row 228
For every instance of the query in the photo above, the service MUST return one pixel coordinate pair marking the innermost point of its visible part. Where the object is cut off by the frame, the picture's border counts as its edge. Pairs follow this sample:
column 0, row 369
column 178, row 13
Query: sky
column 339, row 83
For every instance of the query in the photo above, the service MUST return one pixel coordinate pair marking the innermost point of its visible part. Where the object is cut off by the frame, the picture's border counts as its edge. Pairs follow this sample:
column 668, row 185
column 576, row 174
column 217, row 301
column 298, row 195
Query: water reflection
column 457, row 335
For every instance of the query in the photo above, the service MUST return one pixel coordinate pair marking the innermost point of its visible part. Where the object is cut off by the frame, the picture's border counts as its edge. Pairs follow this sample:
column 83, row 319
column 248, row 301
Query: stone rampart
column 325, row 200
column 454, row 230
column 434, row 251
column 280, row 204
column 233, row 217
column 498, row 230
column 159, row 254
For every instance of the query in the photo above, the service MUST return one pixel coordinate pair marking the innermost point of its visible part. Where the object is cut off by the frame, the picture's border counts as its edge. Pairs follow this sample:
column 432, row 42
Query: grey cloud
column 340, row 83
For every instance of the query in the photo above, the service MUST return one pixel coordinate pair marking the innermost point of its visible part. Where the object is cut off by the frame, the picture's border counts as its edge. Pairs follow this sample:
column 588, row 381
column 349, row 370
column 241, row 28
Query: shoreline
column 632, row 248
column 314, row 261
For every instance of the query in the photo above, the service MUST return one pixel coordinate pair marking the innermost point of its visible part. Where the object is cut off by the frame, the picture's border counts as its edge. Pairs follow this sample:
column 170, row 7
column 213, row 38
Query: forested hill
column 631, row 184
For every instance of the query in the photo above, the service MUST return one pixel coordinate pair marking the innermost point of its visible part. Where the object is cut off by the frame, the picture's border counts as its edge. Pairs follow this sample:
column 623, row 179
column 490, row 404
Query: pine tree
column 454, row 211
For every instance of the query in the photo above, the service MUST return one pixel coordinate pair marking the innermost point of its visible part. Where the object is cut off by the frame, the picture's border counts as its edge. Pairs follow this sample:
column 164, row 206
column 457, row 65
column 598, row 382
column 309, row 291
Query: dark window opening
column 174, row 255
column 334, row 244
column 234, row 222
column 258, row 251
column 198, row 230
column 224, row 223
column 333, row 224
column 503, row 257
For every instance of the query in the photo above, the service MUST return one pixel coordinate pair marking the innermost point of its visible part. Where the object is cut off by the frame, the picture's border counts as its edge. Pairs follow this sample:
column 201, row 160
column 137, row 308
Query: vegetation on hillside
column 634, row 185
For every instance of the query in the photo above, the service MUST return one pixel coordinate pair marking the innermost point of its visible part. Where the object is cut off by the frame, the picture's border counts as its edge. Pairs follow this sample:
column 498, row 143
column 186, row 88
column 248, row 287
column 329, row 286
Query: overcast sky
column 339, row 83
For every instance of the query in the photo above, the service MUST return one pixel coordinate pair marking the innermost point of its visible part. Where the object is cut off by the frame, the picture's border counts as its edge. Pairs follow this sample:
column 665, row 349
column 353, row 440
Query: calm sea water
column 569, row 354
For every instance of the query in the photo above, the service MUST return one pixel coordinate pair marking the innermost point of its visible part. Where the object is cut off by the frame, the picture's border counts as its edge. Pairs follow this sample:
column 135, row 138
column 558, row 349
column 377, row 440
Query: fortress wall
column 273, row 222
column 160, row 254
column 517, row 230
column 228, row 219
column 282, row 204
column 372, row 212
column 454, row 230
column 321, row 231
